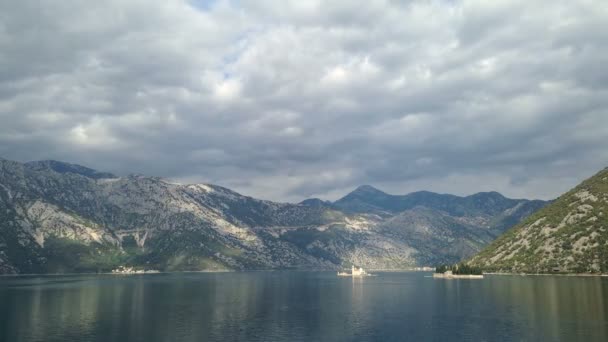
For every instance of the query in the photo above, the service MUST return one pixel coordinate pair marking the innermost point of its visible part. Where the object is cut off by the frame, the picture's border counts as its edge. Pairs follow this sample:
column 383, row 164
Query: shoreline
column 457, row 276
column 549, row 274
column 296, row 270
column 110, row 273
column 202, row 271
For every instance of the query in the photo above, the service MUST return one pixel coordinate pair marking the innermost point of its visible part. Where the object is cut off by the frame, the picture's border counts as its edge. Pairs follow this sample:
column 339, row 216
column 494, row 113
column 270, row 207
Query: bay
column 302, row 306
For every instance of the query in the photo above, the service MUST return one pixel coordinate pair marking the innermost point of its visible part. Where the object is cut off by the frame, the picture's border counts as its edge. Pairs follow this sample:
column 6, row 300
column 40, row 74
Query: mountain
column 316, row 202
column 62, row 167
column 60, row 217
column 569, row 235
column 369, row 199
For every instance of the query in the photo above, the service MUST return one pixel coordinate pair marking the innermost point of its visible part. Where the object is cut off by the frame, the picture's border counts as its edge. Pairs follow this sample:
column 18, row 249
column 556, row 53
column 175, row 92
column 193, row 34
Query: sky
column 286, row 100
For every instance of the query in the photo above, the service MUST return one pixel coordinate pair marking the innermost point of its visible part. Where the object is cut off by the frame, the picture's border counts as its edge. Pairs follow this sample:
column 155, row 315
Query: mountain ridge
column 63, row 167
column 75, row 220
column 379, row 201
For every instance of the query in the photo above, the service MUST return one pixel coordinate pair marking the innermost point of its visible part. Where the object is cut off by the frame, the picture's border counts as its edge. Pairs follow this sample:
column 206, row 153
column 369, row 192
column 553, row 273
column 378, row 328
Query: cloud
column 288, row 99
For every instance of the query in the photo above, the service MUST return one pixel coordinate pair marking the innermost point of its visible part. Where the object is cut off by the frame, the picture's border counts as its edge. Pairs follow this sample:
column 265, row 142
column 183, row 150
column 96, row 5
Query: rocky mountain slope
column 569, row 235
column 59, row 217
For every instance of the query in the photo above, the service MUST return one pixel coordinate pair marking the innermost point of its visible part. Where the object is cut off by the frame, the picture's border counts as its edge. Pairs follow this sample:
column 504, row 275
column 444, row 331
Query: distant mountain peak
column 367, row 189
column 315, row 202
column 63, row 167
column 489, row 194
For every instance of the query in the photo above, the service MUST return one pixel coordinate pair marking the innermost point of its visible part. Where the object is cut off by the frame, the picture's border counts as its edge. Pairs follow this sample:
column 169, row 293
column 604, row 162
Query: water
column 302, row 306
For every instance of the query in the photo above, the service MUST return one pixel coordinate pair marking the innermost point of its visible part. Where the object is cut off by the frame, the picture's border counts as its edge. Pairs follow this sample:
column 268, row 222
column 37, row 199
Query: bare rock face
column 569, row 235
column 59, row 217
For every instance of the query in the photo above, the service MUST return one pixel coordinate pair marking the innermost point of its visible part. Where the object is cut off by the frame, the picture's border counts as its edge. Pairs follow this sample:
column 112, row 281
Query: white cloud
column 227, row 90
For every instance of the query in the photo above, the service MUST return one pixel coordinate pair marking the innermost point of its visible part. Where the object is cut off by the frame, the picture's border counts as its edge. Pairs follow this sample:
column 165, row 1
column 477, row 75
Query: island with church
column 355, row 272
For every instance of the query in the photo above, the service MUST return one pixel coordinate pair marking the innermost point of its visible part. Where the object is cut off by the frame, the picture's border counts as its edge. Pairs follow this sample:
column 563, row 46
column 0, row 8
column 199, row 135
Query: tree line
column 459, row 269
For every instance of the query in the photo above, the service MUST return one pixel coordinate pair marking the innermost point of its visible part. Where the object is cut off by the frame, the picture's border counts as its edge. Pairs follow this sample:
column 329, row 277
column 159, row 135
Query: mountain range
column 57, row 217
column 570, row 235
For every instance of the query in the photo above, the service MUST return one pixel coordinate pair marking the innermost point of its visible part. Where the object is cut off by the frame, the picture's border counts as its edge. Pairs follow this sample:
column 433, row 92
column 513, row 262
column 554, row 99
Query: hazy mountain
column 60, row 217
column 369, row 199
column 316, row 202
column 569, row 235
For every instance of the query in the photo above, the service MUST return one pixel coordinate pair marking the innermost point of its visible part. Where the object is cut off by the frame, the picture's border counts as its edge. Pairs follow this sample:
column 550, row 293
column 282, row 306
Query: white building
column 357, row 271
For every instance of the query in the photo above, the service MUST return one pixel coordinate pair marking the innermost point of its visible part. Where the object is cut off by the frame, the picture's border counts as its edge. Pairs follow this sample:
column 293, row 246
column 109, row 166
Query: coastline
column 323, row 270
column 109, row 273
column 457, row 276
column 549, row 274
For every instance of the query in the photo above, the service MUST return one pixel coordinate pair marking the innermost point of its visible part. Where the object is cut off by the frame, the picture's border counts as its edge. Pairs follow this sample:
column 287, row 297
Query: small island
column 462, row 271
column 355, row 272
column 131, row 270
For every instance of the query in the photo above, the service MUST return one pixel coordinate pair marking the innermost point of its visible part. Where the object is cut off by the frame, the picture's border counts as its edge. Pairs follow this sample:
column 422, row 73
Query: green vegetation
column 460, row 269
column 67, row 256
column 568, row 236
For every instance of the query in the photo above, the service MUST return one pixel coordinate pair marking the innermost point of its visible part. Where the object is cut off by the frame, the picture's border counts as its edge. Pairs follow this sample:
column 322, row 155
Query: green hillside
column 569, row 235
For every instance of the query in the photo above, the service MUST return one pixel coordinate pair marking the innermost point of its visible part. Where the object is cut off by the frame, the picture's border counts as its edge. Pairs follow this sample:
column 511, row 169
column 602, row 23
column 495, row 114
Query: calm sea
column 302, row 306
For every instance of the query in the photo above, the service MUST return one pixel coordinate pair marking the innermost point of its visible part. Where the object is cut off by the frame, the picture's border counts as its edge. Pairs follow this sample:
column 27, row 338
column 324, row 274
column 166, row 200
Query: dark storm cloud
column 289, row 99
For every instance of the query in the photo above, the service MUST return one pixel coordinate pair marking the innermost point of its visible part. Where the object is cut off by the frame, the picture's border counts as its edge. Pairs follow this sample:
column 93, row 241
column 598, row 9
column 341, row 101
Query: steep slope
column 490, row 210
column 51, row 216
column 59, row 217
column 569, row 235
column 434, row 230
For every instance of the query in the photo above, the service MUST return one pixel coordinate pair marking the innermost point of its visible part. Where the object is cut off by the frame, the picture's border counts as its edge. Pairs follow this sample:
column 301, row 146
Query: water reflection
column 301, row 306
column 555, row 306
